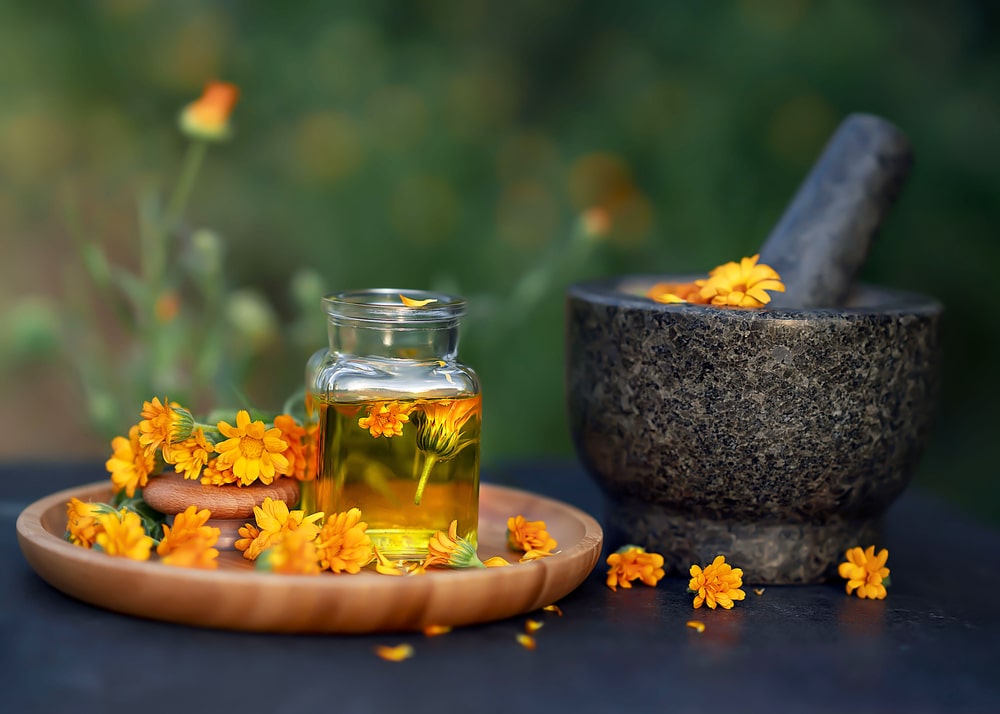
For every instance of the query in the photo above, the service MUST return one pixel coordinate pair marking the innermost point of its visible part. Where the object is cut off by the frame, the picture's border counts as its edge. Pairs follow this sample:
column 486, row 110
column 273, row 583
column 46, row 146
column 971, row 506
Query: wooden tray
column 239, row 598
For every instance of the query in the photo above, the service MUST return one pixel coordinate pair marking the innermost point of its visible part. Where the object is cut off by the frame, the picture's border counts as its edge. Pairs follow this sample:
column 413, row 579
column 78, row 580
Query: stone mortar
column 775, row 436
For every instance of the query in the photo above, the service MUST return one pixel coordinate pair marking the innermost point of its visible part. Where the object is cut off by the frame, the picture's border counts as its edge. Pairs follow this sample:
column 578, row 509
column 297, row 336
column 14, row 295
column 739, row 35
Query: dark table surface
column 931, row 646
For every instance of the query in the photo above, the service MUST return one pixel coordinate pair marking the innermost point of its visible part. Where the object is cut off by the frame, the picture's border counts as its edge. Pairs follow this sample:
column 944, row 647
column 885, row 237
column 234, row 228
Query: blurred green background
column 455, row 144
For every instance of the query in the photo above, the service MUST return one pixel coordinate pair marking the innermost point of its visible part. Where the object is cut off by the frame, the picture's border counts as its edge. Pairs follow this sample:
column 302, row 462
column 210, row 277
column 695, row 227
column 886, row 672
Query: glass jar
column 399, row 419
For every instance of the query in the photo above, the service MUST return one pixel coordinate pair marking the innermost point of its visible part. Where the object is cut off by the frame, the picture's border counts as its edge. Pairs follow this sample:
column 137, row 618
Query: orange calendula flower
column 189, row 542
column 528, row 535
column 743, row 284
column 439, row 432
column 865, row 572
column 216, row 475
column 122, row 536
column 385, row 419
column 274, row 520
column 130, row 465
column 449, row 550
column 295, row 553
column 208, row 117
column 82, row 525
column 343, row 544
column 252, row 450
column 718, row 584
column 676, row 293
column 163, row 423
column 293, row 435
column 439, row 424
column 630, row 563
column 394, row 654
column 248, row 533
column 189, row 456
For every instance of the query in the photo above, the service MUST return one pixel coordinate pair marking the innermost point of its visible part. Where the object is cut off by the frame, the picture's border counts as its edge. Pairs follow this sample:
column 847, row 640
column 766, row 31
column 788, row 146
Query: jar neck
column 384, row 324
column 392, row 341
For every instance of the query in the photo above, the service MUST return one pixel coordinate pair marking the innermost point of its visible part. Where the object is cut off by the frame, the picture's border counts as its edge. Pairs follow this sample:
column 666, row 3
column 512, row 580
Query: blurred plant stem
column 182, row 191
column 561, row 263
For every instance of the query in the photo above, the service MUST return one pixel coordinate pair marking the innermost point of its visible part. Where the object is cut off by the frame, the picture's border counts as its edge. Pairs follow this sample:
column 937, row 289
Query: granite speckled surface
column 776, row 436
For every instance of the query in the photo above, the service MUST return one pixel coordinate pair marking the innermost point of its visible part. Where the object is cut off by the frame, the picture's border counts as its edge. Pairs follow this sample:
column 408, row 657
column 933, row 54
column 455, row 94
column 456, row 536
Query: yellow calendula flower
column 385, row 419
column 189, row 542
column 130, row 465
column 190, row 456
column 718, row 584
column 528, row 535
column 207, row 117
column 122, row 536
column 630, row 563
column 215, row 474
column 82, row 524
column 274, row 520
column 295, row 553
column 163, row 423
column 293, row 435
column 252, row 450
column 449, row 550
column 343, row 544
column 743, row 284
column 865, row 572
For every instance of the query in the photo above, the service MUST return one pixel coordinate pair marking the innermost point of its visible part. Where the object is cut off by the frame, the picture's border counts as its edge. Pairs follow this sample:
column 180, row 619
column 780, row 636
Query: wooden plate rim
column 577, row 560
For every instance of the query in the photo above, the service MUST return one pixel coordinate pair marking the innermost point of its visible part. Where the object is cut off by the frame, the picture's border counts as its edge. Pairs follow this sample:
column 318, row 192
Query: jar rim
column 386, row 305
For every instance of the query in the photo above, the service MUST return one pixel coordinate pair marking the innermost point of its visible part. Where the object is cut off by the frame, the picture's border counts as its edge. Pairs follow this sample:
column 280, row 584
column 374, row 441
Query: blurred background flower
column 459, row 146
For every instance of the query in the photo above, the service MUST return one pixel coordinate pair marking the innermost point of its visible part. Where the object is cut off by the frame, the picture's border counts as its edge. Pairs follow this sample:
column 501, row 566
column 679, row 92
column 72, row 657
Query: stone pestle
column 822, row 240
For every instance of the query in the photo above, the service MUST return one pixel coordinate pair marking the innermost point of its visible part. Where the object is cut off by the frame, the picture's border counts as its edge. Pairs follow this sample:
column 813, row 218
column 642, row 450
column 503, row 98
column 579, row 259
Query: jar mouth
column 386, row 305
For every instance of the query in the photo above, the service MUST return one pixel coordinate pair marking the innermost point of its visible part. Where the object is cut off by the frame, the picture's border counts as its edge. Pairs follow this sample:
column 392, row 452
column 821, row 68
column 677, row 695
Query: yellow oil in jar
column 411, row 466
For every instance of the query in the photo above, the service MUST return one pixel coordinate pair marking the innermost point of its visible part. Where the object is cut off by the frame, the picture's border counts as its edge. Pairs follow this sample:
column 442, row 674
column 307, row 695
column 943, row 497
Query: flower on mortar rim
column 865, row 572
column 717, row 584
column 207, row 118
column 743, row 284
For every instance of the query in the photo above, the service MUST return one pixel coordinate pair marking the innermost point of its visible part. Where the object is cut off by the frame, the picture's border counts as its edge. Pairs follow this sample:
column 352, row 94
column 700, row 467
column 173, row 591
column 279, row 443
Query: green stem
column 182, row 190
column 429, row 461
